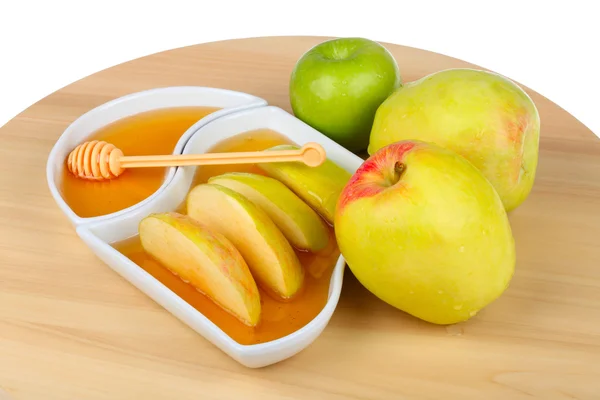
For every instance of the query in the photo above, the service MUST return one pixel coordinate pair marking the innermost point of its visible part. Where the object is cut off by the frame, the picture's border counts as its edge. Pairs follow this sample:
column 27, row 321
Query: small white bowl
column 179, row 96
column 99, row 235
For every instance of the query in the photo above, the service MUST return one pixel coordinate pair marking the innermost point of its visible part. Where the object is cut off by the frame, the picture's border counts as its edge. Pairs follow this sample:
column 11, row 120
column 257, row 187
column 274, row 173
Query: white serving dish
column 178, row 96
column 98, row 235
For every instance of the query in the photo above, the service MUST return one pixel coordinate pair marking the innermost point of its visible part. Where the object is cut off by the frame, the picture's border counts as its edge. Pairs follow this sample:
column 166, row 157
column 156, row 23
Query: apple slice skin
column 205, row 259
column 430, row 237
column 270, row 257
column 300, row 224
column 319, row 187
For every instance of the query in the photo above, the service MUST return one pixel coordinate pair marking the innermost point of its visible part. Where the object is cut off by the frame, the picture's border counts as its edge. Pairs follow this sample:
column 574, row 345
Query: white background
column 550, row 46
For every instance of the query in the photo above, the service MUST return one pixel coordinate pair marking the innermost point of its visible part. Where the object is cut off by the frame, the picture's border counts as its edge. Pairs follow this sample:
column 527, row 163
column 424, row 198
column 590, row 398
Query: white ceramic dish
column 99, row 235
column 180, row 96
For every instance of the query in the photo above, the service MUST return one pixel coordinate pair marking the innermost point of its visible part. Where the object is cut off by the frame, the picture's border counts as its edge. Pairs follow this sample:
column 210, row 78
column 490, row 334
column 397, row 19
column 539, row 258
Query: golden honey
column 148, row 133
column 279, row 318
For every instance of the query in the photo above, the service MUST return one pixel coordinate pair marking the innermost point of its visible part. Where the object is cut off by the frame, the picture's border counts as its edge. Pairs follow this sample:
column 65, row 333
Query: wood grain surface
column 71, row 328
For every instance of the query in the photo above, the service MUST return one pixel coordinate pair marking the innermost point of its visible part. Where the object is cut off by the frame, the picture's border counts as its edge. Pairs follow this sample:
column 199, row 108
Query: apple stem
column 399, row 169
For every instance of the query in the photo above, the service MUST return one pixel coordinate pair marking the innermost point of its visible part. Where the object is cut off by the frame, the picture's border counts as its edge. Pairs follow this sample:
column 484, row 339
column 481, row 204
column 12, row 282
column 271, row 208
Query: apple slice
column 300, row 224
column 270, row 257
column 205, row 259
column 320, row 186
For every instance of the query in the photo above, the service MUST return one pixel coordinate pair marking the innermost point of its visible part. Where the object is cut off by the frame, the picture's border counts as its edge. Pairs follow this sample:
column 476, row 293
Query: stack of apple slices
column 241, row 229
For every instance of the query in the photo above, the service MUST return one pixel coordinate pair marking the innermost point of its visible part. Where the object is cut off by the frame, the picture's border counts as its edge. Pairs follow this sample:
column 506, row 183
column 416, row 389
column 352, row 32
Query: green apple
column 480, row 115
column 270, row 257
column 299, row 223
column 205, row 259
column 319, row 186
column 423, row 229
column 336, row 87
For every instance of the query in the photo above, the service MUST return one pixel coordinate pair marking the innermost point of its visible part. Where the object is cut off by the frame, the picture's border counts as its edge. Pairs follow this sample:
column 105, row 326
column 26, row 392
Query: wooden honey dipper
column 98, row 160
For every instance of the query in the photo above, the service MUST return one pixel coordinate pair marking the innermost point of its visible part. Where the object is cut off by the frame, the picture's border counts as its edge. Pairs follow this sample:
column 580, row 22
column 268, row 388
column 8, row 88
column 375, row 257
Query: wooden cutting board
column 71, row 328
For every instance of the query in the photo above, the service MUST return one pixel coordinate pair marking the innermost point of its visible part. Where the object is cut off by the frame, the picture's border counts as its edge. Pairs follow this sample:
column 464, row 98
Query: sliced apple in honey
column 270, row 257
column 319, row 187
column 299, row 223
column 204, row 258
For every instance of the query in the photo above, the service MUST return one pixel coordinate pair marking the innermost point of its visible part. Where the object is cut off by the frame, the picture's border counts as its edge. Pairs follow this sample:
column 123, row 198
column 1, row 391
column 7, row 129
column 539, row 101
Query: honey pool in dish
column 279, row 318
column 147, row 133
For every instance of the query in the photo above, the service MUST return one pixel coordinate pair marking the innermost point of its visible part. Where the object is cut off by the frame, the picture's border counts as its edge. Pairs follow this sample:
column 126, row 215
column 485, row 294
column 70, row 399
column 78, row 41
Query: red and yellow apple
column 425, row 231
column 480, row 115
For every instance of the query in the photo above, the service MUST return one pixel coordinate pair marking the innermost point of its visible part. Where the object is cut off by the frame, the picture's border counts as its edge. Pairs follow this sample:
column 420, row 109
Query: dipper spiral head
column 95, row 160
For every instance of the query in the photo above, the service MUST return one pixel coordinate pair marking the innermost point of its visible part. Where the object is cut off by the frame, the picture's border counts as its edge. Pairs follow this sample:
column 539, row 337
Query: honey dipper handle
column 312, row 154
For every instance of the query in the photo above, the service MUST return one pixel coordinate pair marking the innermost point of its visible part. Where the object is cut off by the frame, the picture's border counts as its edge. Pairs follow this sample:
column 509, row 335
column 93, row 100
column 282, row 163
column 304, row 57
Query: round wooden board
column 71, row 328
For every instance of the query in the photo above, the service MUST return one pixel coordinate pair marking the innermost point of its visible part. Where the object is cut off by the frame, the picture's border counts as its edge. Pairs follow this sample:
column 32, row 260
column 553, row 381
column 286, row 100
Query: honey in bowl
column 149, row 133
column 279, row 317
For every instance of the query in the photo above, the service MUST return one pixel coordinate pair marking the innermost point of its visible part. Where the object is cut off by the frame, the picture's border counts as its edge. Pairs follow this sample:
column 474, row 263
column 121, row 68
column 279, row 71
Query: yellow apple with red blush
column 425, row 231
column 483, row 116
